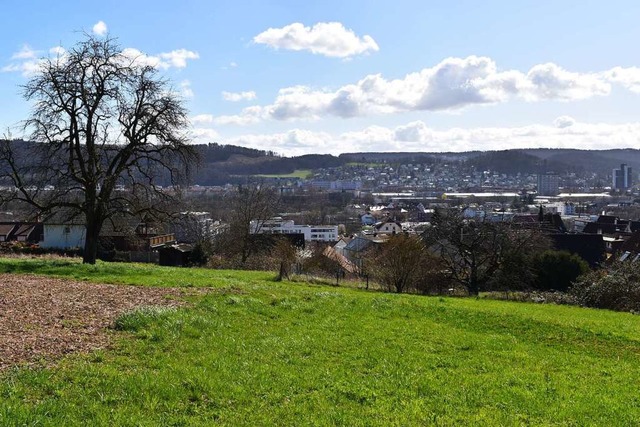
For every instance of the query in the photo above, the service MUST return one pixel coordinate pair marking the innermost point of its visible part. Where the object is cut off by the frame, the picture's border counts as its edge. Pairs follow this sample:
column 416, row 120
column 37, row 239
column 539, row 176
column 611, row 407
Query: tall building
column 622, row 178
column 548, row 184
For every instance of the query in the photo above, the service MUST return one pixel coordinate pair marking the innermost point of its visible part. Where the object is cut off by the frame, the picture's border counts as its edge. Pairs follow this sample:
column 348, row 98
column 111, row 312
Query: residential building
column 388, row 227
column 312, row 233
column 548, row 184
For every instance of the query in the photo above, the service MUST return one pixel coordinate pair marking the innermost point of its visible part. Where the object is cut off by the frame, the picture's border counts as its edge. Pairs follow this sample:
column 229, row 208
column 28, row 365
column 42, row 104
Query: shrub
column 556, row 270
column 616, row 288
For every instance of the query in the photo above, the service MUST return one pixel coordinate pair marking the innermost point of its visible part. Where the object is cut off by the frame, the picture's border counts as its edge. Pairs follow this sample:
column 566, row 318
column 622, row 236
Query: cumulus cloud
column 185, row 89
column 57, row 51
column 100, row 28
column 25, row 53
column 550, row 81
column 453, row 84
column 238, row 96
column 564, row 122
column 27, row 60
column 174, row 59
column 324, row 38
column 204, row 135
column 202, row 119
column 629, row 78
column 418, row 136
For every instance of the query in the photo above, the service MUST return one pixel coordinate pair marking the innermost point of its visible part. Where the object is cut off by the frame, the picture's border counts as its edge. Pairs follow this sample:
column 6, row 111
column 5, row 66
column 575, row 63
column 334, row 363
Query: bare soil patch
column 43, row 318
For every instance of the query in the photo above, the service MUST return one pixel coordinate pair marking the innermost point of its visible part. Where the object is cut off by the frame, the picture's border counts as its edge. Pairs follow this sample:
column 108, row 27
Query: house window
column 66, row 230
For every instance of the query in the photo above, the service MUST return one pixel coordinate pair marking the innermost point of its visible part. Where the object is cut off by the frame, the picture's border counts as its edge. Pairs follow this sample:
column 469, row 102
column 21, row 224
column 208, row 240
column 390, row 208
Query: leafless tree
column 106, row 131
column 401, row 263
column 474, row 251
column 252, row 202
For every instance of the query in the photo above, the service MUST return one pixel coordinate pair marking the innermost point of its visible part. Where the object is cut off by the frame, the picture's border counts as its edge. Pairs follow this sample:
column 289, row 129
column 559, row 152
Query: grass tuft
column 141, row 317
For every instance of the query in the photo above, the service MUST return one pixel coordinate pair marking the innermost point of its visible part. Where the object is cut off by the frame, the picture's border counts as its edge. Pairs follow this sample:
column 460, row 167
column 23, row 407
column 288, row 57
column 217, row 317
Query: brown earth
column 44, row 318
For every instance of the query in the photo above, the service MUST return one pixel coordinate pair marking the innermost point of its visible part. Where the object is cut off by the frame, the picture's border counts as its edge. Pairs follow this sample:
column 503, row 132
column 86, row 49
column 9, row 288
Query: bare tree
column 401, row 263
column 253, row 202
column 474, row 251
column 108, row 131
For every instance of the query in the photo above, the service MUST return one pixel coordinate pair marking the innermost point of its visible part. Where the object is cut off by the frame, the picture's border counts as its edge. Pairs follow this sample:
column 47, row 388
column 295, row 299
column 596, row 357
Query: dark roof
column 24, row 229
column 603, row 228
column 589, row 247
column 607, row 219
column 5, row 229
column 632, row 244
column 528, row 219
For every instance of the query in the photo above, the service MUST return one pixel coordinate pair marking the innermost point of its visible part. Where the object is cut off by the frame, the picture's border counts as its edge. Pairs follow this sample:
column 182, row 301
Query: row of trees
column 472, row 255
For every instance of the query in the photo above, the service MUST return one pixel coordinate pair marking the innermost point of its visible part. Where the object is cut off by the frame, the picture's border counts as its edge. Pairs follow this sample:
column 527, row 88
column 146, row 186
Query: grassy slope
column 256, row 352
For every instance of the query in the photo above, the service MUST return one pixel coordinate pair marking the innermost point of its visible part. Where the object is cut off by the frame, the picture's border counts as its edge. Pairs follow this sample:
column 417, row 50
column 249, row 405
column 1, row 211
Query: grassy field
column 298, row 173
column 259, row 352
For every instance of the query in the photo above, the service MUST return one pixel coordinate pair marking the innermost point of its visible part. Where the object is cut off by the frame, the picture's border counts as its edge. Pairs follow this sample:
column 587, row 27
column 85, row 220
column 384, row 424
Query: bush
column 616, row 288
column 557, row 270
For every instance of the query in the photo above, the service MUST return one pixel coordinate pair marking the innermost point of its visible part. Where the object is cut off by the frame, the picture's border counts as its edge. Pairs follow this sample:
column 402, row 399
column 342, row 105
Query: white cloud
column 26, row 60
column 185, row 89
column 564, row 122
column 202, row 119
column 549, row 81
column 629, row 78
column 238, row 96
column 417, row 136
column 57, row 51
column 453, row 84
column 177, row 58
column 100, row 28
column 204, row 135
column 174, row 59
column 324, row 38
column 25, row 53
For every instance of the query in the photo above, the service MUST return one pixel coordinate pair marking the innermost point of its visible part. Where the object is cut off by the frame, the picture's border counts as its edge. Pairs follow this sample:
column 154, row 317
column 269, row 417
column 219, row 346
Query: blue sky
column 342, row 76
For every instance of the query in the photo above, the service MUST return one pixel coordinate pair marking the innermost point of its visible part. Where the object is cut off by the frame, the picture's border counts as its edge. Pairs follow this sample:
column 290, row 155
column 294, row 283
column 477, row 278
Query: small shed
column 175, row 255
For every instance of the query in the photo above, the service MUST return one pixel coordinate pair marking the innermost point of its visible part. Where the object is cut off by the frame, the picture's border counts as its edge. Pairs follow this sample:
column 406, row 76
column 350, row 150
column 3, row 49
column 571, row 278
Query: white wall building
column 312, row 233
column 61, row 236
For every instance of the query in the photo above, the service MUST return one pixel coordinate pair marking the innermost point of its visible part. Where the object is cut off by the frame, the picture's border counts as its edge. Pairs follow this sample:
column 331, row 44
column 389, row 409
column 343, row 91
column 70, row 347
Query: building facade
column 312, row 233
column 622, row 178
column 548, row 184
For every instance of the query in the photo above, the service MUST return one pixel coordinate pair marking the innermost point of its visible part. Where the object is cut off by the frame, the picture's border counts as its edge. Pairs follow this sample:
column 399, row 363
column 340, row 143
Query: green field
column 257, row 352
column 298, row 173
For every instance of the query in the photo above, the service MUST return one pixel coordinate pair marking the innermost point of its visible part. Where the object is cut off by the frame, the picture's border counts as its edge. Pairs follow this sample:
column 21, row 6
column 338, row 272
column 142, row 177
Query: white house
column 388, row 227
column 312, row 233
column 63, row 236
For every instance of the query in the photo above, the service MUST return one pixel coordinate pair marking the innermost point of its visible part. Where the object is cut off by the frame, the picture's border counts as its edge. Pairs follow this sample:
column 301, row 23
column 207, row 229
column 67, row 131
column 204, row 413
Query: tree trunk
column 474, row 284
column 92, row 232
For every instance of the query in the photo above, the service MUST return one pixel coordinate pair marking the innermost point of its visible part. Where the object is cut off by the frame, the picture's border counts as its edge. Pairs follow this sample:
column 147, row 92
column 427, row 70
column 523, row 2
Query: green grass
column 258, row 352
column 298, row 173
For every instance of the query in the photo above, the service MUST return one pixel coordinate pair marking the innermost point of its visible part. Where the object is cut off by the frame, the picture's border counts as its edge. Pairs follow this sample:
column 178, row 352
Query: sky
column 300, row 77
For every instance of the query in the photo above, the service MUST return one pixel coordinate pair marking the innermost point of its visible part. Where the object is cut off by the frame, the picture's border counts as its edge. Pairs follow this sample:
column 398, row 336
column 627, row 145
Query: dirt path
column 43, row 318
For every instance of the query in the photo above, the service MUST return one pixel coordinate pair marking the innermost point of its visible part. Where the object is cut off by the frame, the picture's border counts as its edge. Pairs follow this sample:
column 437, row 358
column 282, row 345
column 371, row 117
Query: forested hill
column 221, row 164
column 228, row 163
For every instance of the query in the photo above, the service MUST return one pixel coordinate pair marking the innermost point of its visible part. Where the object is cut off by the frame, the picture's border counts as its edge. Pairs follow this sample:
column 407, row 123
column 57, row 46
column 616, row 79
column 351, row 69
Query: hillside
column 221, row 164
column 256, row 352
